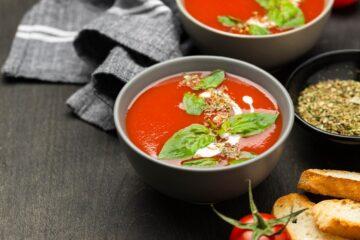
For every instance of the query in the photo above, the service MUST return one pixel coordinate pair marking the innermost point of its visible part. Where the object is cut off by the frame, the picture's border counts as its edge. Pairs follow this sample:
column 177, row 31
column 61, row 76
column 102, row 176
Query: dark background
column 61, row 178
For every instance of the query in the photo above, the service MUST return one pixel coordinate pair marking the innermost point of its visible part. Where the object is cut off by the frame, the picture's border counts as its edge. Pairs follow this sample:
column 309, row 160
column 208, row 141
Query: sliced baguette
column 304, row 227
column 338, row 217
column 340, row 184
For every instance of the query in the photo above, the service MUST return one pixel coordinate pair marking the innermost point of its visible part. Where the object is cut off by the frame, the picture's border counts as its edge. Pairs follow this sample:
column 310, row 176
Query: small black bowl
column 341, row 64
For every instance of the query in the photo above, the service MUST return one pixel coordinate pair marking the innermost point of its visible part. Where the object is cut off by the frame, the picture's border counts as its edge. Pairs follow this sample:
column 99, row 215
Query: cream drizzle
column 209, row 151
column 261, row 22
column 249, row 101
column 233, row 139
column 214, row 149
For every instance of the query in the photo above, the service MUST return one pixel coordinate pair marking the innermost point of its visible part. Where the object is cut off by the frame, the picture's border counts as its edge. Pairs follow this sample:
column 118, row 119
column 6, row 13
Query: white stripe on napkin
column 43, row 37
column 46, row 30
column 45, row 33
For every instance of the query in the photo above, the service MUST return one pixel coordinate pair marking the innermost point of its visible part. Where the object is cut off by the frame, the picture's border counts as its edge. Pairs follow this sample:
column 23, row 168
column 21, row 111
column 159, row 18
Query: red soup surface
column 155, row 114
column 208, row 12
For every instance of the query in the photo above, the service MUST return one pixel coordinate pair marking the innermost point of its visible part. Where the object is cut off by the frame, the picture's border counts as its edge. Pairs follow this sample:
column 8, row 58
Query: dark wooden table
column 61, row 178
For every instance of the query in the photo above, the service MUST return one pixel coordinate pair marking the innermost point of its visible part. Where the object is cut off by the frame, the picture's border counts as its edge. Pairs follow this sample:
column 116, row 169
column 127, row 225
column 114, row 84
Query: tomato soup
column 204, row 119
column 254, row 17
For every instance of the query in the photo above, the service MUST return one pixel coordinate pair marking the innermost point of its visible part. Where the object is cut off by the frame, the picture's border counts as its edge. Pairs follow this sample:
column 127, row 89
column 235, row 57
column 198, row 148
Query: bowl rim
column 284, row 135
column 325, row 11
column 306, row 64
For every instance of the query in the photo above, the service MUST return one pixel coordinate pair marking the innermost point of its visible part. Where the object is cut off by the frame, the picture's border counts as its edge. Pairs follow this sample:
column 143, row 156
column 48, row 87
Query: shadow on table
column 322, row 153
column 346, row 12
column 157, row 215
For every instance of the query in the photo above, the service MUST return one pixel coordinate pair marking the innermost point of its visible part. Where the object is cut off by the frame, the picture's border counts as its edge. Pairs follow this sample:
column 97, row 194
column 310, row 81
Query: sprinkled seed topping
column 220, row 105
column 241, row 27
column 333, row 106
column 191, row 80
column 231, row 151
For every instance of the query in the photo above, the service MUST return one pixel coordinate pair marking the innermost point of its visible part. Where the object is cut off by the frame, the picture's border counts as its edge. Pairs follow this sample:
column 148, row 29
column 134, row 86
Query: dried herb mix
column 333, row 106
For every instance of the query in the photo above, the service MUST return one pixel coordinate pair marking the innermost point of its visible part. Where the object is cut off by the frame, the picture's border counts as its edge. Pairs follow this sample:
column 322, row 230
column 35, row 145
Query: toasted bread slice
column 340, row 184
column 304, row 227
column 338, row 217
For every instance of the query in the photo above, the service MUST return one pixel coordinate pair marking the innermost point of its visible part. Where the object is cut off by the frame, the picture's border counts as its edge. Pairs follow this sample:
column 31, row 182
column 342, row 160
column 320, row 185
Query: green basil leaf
column 237, row 161
column 258, row 30
column 297, row 21
column 248, row 124
column 211, row 81
column 229, row 21
column 264, row 3
column 244, row 156
column 185, row 142
column 204, row 162
column 193, row 104
column 284, row 13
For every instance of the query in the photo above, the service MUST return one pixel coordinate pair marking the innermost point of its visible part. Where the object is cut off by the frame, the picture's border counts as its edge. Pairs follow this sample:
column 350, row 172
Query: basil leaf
column 292, row 17
column 284, row 13
column 193, row 104
column 264, row 3
column 211, row 81
column 258, row 30
column 244, row 156
column 185, row 142
column 237, row 161
column 204, row 162
column 248, row 124
column 229, row 21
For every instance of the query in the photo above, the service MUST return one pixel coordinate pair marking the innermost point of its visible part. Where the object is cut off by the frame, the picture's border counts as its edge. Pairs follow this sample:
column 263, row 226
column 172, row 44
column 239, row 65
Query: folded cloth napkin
column 102, row 43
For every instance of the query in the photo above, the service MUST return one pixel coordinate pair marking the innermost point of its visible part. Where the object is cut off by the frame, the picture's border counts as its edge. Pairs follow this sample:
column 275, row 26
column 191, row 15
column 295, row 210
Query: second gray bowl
column 265, row 51
column 212, row 184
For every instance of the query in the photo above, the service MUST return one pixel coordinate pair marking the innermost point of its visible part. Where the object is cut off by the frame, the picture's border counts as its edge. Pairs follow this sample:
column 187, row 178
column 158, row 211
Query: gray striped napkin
column 97, row 42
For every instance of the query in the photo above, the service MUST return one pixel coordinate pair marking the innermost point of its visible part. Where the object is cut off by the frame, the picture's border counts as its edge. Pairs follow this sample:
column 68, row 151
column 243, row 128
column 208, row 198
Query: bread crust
column 316, row 181
column 336, row 224
column 286, row 202
column 294, row 197
column 304, row 228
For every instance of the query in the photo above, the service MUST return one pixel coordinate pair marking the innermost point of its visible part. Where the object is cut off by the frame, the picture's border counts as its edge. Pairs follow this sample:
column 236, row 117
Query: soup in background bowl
column 255, row 17
column 257, row 31
column 161, row 86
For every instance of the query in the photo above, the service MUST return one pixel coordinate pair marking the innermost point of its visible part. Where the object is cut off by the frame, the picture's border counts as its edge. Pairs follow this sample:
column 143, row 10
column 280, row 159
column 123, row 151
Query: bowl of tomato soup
column 267, row 33
column 197, row 128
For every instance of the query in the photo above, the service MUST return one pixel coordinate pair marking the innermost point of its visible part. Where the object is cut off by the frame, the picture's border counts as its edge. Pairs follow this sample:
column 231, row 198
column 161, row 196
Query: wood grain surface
column 61, row 178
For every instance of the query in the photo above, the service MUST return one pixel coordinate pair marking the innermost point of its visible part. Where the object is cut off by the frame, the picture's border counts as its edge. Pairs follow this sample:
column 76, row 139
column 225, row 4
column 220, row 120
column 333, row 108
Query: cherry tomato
column 343, row 3
column 266, row 226
column 243, row 234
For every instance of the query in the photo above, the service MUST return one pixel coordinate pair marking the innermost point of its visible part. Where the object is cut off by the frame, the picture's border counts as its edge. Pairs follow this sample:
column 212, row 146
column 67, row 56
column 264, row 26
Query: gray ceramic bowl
column 208, row 185
column 265, row 51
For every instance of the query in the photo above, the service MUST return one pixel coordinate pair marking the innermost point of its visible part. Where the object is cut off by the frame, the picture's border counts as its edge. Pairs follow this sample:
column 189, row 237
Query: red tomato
column 343, row 3
column 243, row 234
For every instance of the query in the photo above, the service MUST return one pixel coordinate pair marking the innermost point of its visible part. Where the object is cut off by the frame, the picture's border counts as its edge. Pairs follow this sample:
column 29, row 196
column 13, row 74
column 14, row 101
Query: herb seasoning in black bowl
column 326, row 94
